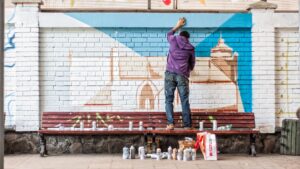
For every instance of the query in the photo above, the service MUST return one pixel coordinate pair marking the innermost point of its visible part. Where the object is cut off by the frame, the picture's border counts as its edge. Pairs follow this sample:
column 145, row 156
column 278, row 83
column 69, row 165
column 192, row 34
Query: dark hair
column 185, row 34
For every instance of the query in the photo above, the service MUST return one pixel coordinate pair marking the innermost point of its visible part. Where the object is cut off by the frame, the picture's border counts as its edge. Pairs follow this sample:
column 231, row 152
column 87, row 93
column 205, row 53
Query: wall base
column 28, row 143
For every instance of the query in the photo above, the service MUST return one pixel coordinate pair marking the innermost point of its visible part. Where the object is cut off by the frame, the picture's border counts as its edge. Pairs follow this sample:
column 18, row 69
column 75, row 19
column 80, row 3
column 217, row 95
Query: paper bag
column 207, row 143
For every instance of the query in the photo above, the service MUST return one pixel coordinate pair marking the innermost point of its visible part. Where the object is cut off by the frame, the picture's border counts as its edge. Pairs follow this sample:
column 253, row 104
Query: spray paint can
column 190, row 151
column 185, row 154
column 132, row 152
column 110, row 127
column 125, row 153
column 174, row 154
column 81, row 125
column 180, row 155
column 201, row 124
column 141, row 126
column 158, row 153
column 142, row 153
column 94, row 125
column 61, row 127
column 169, row 153
column 130, row 128
column 194, row 154
column 215, row 126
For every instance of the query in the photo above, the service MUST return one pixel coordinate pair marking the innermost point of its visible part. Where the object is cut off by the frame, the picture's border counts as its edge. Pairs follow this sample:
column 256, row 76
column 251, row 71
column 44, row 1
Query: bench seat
column 154, row 124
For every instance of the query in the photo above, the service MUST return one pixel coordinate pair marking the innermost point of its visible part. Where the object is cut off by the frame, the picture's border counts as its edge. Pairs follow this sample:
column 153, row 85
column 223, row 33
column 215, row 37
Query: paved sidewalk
column 96, row 161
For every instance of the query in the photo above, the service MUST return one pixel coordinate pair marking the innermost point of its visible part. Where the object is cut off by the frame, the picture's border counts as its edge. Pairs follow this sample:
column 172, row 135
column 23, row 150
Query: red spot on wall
column 167, row 2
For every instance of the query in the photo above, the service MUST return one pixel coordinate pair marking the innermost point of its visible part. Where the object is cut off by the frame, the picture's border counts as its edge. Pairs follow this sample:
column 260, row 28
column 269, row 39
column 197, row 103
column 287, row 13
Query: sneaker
column 170, row 127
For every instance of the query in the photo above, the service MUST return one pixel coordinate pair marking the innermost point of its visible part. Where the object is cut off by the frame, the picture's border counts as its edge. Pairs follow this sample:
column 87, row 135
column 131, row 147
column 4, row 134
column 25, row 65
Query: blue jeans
column 173, row 80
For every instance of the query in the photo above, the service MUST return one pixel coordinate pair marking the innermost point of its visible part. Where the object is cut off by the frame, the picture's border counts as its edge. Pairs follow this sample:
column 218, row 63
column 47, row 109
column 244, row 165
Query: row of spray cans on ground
column 188, row 154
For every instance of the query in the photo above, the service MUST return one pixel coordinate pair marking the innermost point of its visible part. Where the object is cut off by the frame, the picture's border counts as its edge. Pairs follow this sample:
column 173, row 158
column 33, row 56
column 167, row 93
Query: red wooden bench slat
column 97, row 132
column 190, row 132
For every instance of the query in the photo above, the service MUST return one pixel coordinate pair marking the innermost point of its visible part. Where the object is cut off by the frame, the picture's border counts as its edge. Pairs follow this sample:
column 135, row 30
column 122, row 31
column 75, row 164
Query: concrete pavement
column 96, row 161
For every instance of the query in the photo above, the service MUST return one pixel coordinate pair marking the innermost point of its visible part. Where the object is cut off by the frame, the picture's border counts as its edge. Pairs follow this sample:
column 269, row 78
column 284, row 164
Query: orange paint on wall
column 203, row 2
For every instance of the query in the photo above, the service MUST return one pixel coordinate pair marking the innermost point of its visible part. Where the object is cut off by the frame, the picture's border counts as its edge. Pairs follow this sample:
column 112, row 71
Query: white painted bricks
column 27, row 67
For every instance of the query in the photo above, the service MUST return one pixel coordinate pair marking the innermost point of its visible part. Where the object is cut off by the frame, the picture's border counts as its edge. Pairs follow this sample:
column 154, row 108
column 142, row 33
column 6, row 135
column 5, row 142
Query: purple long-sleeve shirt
column 181, row 57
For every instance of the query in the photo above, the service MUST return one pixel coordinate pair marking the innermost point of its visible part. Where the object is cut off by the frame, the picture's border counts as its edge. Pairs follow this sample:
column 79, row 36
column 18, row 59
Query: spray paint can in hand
column 169, row 153
column 132, row 152
column 125, row 153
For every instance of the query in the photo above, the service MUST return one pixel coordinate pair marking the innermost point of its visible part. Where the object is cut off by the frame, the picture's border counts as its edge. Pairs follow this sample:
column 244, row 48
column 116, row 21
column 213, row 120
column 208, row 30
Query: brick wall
column 287, row 74
column 101, row 62
column 10, row 70
column 123, row 69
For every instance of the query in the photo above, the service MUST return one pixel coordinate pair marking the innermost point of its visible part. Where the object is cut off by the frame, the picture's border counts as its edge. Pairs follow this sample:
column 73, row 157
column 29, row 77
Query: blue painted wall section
column 147, row 36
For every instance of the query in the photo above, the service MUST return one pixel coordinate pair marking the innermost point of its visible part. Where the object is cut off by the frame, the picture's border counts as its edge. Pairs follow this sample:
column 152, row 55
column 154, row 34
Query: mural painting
column 9, row 66
column 123, row 68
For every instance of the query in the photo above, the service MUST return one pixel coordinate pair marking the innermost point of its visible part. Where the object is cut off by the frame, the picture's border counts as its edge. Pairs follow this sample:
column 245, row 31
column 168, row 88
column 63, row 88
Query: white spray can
column 141, row 126
column 132, row 152
column 201, row 125
column 142, row 153
column 94, row 125
column 130, row 127
column 169, row 153
column 125, row 153
column 158, row 153
column 215, row 126
column 179, row 154
column 194, row 154
column 81, row 125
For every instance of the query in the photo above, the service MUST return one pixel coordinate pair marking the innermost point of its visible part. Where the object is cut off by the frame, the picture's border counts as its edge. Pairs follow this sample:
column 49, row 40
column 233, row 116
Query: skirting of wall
column 21, row 143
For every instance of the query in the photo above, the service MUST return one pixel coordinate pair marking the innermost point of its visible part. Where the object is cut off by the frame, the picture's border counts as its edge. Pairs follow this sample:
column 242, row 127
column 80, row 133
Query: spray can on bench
column 130, row 127
column 215, row 126
column 201, row 125
column 81, row 125
column 141, row 126
column 94, row 125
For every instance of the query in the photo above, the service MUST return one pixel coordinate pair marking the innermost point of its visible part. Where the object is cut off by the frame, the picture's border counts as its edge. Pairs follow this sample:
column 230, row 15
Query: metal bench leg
column 154, row 146
column 43, row 150
column 252, row 148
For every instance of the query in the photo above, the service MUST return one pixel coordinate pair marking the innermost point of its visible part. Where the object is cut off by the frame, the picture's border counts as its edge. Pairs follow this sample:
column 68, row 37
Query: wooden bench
column 69, row 122
column 242, row 124
column 154, row 124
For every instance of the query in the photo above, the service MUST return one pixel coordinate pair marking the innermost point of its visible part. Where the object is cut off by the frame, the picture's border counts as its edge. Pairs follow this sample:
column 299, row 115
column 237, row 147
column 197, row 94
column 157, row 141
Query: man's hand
column 180, row 23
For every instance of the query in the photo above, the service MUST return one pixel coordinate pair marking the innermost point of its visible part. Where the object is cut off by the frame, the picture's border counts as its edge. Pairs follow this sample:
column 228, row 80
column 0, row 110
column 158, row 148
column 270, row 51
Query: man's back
column 181, row 57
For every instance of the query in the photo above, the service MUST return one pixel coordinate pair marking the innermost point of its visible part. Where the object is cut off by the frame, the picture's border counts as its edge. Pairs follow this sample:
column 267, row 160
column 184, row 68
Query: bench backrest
column 237, row 120
column 149, row 119
column 103, row 119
